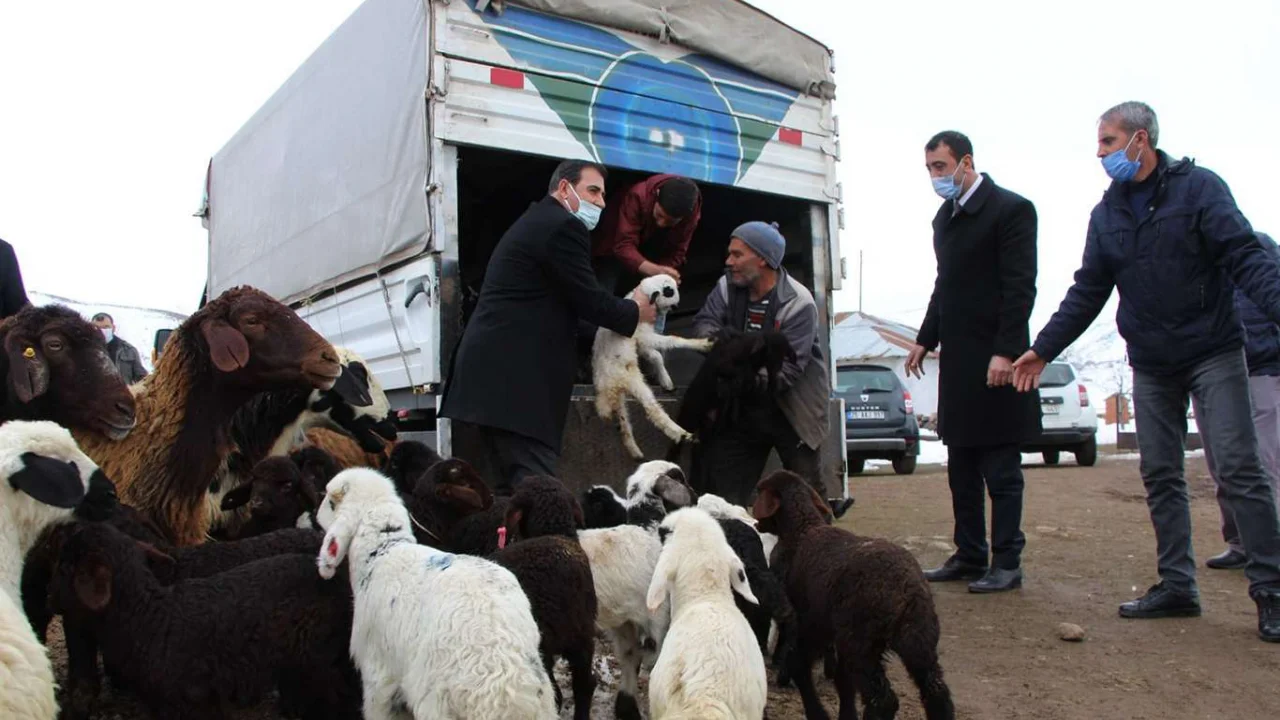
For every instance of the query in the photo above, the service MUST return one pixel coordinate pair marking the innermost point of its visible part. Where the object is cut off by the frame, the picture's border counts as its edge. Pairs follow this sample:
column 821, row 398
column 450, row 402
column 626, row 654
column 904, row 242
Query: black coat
column 515, row 365
column 981, row 305
column 13, row 296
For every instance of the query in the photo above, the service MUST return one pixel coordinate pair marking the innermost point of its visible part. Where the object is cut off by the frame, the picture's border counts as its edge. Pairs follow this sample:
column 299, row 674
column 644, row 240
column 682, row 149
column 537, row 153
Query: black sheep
column 192, row 649
column 542, row 523
column 407, row 462
column 774, row 605
column 864, row 596
column 452, row 509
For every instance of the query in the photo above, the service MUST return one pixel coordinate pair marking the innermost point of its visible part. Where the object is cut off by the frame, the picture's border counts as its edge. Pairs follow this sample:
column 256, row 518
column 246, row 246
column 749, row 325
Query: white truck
column 370, row 190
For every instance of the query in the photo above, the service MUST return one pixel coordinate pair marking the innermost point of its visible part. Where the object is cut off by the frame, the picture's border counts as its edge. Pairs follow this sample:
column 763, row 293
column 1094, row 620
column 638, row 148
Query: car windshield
column 867, row 380
column 1056, row 375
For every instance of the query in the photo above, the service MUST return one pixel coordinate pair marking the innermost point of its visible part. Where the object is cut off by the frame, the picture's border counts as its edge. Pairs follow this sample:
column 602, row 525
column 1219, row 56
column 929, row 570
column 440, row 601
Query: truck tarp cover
column 327, row 181
column 730, row 30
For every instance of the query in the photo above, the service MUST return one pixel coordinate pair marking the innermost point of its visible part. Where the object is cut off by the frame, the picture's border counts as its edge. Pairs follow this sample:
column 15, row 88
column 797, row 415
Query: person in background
column 512, row 375
column 984, row 237
column 646, row 232
column 1169, row 237
column 756, row 294
column 13, row 295
column 125, row 356
column 1262, row 356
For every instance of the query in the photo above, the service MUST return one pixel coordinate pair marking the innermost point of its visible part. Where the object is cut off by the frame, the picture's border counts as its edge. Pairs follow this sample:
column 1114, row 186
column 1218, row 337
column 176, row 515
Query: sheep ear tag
column 502, row 537
column 52, row 482
column 352, row 390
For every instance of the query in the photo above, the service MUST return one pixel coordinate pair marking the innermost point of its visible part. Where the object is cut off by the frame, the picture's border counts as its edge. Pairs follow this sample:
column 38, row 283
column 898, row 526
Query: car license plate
column 865, row 415
column 1049, row 409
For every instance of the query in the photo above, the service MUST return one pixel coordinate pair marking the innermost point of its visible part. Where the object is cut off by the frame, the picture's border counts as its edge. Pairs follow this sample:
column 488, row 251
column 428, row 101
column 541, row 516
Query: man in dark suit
column 513, row 372
column 13, row 295
column 984, row 238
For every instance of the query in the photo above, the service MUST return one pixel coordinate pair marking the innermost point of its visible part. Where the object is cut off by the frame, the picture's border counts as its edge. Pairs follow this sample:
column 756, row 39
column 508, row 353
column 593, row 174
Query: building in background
column 860, row 338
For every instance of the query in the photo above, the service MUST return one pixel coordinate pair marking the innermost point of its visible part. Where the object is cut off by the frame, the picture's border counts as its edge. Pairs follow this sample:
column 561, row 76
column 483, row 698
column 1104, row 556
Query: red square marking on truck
column 506, row 78
column 791, row 137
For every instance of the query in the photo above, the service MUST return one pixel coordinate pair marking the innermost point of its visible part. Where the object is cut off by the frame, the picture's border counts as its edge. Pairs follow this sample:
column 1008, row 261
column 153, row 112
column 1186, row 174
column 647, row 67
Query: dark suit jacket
column 981, row 305
column 13, row 295
column 516, row 361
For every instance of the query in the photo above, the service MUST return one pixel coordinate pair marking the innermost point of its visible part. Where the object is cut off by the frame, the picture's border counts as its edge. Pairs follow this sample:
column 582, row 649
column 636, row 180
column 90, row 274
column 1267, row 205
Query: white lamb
column 444, row 636
column 615, row 365
column 720, row 508
column 710, row 666
column 43, row 475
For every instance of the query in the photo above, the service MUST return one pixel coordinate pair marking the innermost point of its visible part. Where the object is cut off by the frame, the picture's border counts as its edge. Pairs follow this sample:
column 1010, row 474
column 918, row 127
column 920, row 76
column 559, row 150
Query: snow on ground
column 136, row 325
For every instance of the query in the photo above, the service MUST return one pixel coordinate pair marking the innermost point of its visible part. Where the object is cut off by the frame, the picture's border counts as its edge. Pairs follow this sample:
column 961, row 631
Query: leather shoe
column 1268, row 615
column 1162, row 602
column 1230, row 560
column 998, row 580
column 955, row 569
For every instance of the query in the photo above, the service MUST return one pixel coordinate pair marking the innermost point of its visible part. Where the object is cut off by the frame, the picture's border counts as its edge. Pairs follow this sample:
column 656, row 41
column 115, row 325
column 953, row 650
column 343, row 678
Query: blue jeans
column 1220, row 386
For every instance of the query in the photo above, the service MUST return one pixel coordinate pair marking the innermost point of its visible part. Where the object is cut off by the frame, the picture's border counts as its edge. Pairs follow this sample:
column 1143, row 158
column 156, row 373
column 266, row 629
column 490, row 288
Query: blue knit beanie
column 764, row 239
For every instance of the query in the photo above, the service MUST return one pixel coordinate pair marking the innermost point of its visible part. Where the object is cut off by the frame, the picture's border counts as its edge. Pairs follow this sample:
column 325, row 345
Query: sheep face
column 542, row 506
column 659, row 482
column 276, row 494
column 56, row 368
column 455, row 483
column 46, row 476
column 357, row 404
column 259, row 344
column 785, row 502
column 661, row 291
column 407, row 462
column 349, row 496
column 693, row 542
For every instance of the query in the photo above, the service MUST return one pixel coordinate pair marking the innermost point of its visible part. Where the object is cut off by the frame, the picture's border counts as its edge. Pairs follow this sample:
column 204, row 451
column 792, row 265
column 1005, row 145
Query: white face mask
column 107, row 333
column 588, row 213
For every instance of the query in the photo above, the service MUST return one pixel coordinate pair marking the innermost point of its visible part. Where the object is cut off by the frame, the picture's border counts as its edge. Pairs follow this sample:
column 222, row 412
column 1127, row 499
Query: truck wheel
column 1051, row 457
column 857, row 465
column 1087, row 453
column 904, row 464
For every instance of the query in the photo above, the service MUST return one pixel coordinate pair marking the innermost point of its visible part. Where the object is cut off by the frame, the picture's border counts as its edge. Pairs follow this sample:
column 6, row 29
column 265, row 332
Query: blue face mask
column 947, row 187
column 1118, row 165
column 589, row 214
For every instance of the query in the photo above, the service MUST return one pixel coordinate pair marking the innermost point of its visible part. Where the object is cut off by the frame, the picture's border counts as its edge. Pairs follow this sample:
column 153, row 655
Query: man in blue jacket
column 1262, row 355
column 1169, row 237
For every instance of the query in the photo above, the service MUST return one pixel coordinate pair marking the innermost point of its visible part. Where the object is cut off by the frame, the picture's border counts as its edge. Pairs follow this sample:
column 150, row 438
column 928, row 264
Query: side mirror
column 162, row 337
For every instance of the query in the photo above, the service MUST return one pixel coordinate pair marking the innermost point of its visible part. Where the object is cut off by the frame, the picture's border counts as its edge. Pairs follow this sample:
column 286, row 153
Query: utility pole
column 859, row 281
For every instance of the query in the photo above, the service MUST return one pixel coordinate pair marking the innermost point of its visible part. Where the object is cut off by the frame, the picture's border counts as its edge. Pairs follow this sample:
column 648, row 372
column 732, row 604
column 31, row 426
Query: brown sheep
column 865, row 596
column 346, row 449
column 241, row 343
column 56, row 367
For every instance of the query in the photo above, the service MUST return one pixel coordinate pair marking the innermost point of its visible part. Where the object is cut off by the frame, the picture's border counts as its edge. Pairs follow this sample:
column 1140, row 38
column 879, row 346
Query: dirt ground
column 1089, row 548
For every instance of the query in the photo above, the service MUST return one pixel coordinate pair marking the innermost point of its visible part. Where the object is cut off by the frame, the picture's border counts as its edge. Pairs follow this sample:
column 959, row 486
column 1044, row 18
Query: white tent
column 860, row 338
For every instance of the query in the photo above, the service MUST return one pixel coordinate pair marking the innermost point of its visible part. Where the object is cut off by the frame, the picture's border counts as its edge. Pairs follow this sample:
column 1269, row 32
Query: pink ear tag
column 502, row 537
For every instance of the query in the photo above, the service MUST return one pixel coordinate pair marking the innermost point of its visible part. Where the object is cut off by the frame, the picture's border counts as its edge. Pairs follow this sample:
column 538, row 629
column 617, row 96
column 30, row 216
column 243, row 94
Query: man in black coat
column 984, row 238
column 13, row 295
column 513, row 372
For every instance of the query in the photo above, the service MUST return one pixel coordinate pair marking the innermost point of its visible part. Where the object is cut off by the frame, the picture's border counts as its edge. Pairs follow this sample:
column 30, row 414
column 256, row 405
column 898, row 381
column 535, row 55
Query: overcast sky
column 109, row 113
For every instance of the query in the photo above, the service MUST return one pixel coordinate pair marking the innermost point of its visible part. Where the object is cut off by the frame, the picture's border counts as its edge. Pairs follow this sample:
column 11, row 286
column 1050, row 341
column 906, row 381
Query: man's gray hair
column 1133, row 116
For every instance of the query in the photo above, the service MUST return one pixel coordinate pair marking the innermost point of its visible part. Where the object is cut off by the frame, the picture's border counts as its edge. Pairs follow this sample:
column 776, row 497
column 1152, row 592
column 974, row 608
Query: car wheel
column 1087, row 453
column 1051, row 457
column 904, row 465
column 857, row 465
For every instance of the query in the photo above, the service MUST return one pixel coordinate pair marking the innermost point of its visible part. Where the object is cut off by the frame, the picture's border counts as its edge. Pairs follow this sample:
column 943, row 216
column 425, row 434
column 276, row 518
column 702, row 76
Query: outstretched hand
column 1026, row 371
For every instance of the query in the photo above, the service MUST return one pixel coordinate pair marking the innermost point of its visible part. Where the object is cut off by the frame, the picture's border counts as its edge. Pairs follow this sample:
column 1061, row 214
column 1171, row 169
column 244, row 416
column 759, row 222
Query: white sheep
column 448, row 636
column 615, row 366
column 710, row 665
column 44, row 475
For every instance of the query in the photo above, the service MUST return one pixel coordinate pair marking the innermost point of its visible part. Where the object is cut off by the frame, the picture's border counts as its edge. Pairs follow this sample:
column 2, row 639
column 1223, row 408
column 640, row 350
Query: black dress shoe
column 998, row 580
column 1162, row 602
column 1229, row 560
column 955, row 569
column 839, row 506
column 1268, row 615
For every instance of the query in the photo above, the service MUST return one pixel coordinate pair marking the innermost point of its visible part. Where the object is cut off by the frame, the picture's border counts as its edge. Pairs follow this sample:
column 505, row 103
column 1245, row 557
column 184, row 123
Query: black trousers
column 998, row 470
column 731, row 462
column 516, row 457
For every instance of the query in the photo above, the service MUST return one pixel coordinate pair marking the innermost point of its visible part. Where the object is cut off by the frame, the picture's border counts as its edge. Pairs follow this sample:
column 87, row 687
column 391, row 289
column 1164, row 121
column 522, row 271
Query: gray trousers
column 1220, row 386
column 1264, row 392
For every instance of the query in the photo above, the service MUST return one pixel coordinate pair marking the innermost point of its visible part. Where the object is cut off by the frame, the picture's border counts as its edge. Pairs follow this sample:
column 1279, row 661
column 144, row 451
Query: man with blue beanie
column 757, row 295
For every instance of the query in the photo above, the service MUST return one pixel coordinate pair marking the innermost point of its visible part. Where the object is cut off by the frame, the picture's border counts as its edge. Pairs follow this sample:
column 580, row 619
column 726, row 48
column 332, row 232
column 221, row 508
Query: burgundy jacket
column 628, row 223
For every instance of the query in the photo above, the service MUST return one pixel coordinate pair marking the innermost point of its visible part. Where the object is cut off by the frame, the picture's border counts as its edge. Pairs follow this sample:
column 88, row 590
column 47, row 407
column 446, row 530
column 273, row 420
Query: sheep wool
column 26, row 677
column 449, row 636
column 710, row 666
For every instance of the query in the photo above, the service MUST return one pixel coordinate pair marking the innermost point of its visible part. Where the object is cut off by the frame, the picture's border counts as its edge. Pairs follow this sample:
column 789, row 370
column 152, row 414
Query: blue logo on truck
column 693, row 115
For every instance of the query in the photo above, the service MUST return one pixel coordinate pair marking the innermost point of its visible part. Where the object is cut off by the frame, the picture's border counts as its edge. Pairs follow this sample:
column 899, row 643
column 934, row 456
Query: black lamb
column 864, row 596
column 774, row 605
column 406, row 463
column 452, row 509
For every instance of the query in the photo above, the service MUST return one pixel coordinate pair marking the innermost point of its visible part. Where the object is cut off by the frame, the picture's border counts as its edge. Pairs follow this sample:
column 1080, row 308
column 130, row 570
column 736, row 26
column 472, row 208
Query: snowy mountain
column 1100, row 357
column 136, row 325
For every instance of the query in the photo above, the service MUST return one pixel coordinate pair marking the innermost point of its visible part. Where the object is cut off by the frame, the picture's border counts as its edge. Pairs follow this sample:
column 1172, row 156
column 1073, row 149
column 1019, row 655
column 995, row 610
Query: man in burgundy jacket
column 646, row 232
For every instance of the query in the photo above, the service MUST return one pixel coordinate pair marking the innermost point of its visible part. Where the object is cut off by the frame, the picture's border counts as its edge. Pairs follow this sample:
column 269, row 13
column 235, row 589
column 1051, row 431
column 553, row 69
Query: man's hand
column 999, row 371
column 915, row 361
column 1026, row 371
column 651, row 268
column 648, row 311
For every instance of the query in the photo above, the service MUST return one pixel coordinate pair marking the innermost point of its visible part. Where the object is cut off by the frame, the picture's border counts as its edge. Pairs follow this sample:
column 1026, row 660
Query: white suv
column 1067, row 417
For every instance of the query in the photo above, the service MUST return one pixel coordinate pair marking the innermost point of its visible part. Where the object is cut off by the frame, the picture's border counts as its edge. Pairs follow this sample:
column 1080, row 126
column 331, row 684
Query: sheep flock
column 243, row 526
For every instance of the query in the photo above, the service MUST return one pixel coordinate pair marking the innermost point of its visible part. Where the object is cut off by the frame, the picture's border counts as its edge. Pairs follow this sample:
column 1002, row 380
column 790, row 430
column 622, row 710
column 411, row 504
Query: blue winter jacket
column 1176, row 270
column 1261, row 334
